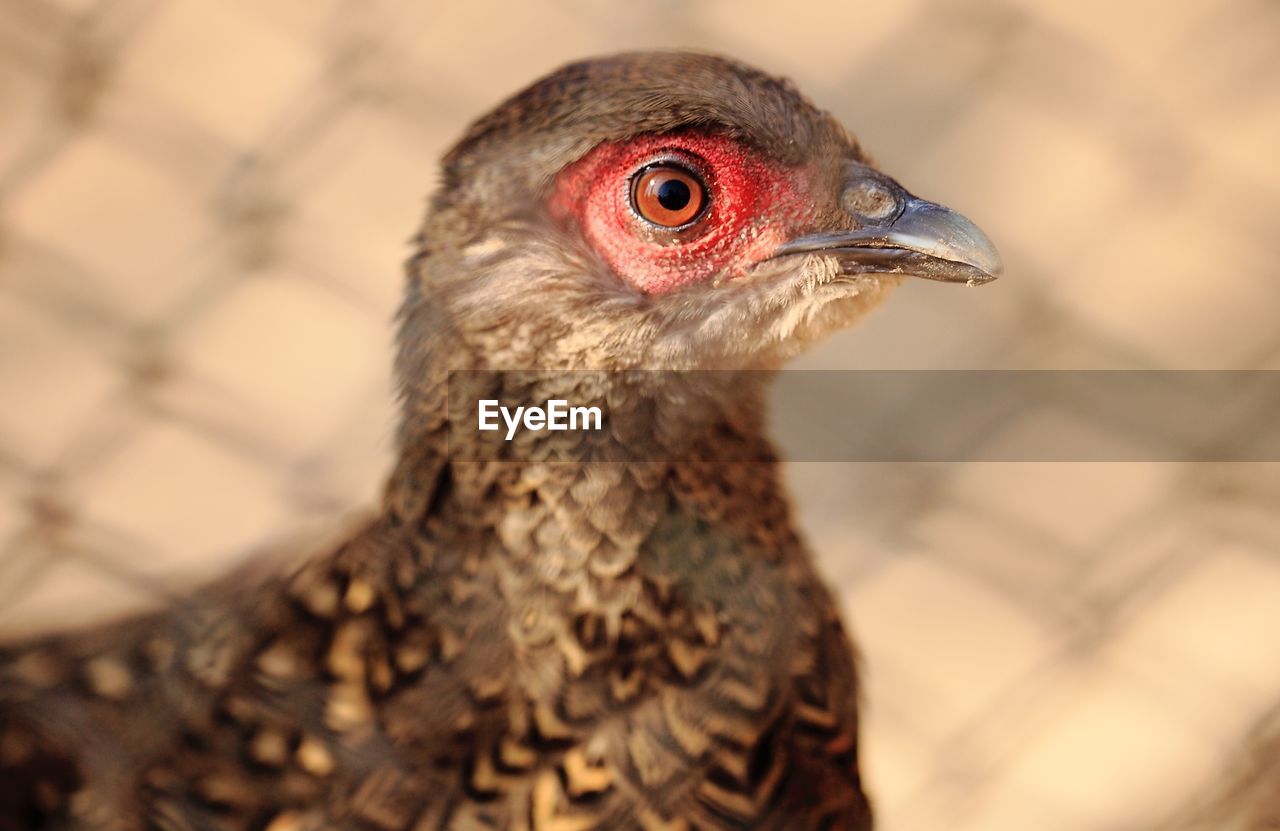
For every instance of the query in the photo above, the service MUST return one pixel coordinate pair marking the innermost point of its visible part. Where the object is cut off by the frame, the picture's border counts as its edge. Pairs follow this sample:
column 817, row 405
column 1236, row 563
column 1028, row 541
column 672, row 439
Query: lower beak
column 899, row 233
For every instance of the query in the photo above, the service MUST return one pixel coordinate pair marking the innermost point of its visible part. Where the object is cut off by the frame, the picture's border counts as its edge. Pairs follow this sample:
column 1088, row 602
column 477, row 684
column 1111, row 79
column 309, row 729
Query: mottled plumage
column 559, row 644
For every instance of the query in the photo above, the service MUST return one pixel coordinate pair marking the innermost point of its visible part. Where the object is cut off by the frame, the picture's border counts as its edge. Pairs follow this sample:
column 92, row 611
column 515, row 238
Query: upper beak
column 899, row 233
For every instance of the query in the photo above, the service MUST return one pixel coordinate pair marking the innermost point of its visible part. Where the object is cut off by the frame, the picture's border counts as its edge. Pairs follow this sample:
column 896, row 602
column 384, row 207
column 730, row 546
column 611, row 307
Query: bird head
column 663, row 210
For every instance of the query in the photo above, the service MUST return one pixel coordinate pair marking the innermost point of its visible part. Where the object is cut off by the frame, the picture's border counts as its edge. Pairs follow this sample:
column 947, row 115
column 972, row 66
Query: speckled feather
column 536, row 645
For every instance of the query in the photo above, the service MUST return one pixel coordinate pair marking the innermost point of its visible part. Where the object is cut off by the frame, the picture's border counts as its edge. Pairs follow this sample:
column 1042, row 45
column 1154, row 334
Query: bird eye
column 667, row 195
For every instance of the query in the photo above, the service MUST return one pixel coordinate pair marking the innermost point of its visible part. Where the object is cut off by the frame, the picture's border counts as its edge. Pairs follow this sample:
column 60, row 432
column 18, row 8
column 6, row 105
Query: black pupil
column 673, row 195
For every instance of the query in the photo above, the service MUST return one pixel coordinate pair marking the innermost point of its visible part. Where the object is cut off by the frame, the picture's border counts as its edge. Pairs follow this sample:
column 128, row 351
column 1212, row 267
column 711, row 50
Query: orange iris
column 668, row 196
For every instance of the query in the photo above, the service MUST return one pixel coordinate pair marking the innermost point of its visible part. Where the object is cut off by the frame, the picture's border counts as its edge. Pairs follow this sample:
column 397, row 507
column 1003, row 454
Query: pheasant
column 559, row 638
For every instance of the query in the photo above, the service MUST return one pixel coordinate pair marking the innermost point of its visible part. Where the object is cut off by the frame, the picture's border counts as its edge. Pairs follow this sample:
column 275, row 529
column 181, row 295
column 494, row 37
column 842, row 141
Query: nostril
column 870, row 201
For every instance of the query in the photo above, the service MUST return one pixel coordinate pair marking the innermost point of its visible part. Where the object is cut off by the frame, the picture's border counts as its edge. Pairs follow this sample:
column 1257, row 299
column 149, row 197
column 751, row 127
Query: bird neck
column 671, row 421
column 448, row 361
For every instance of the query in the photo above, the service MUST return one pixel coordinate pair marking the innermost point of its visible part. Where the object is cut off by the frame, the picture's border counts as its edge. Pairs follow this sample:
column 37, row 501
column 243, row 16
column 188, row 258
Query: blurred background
column 204, row 207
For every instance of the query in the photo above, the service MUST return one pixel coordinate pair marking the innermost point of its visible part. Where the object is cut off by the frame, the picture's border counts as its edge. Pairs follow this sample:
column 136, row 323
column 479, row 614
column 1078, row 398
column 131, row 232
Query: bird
column 619, row 628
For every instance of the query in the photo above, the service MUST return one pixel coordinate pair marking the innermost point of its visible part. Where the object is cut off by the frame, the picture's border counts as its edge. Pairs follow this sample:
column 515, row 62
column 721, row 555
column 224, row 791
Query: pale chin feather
column 765, row 323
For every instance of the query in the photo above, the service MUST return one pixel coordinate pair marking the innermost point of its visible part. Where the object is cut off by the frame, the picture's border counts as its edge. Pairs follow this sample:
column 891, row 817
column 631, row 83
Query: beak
column 899, row 233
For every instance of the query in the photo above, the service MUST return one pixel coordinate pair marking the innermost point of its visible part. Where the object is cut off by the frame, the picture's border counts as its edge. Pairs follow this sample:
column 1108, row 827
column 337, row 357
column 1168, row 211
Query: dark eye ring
column 668, row 195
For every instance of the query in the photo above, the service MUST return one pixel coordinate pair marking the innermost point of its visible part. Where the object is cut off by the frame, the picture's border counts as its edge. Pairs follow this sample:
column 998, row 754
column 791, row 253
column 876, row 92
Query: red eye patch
column 753, row 204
